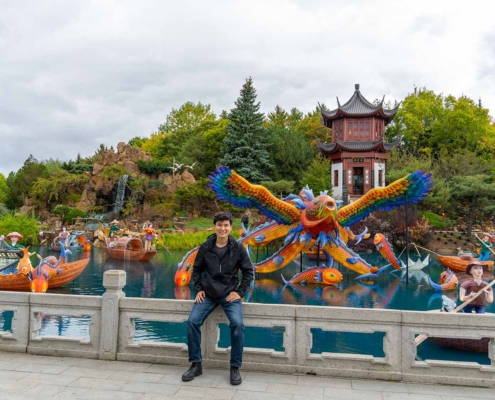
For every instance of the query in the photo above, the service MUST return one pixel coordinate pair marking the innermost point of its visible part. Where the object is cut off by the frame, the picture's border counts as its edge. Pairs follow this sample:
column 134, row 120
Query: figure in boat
column 149, row 233
column 51, row 272
column 486, row 245
column 14, row 238
column 470, row 289
column 306, row 220
column 114, row 227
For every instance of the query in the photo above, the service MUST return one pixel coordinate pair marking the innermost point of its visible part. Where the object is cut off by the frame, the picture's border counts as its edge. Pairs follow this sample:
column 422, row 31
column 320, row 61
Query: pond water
column 155, row 279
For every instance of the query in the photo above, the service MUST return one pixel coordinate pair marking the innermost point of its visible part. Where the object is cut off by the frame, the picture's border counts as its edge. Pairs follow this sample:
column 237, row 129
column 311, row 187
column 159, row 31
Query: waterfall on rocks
column 119, row 198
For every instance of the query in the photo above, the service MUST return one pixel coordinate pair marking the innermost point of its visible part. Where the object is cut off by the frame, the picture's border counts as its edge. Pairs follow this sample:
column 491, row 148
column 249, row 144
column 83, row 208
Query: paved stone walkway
column 24, row 377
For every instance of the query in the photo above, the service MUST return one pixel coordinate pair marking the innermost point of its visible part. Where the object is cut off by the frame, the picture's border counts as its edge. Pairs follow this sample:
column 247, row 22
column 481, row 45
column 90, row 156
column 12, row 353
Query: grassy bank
column 203, row 224
column 185, row 242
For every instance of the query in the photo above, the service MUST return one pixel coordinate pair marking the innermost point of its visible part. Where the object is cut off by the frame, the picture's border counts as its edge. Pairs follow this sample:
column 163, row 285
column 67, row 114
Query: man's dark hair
column 223, row 216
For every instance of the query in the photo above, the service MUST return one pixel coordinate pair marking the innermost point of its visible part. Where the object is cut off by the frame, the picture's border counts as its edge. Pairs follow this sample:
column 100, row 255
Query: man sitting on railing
column 215, row 277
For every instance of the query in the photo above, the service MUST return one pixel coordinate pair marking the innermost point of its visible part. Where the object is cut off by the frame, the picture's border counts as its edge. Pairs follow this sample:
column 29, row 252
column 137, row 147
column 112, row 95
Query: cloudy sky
column 74, row 74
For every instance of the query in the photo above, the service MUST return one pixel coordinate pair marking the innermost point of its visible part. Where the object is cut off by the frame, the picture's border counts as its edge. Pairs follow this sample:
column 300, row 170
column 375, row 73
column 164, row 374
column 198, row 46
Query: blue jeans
column 477, row 309
column 197, row 317
column 484, row 256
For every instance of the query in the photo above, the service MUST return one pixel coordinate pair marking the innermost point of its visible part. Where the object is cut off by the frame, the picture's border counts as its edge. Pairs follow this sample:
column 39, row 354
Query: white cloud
column 77, row 74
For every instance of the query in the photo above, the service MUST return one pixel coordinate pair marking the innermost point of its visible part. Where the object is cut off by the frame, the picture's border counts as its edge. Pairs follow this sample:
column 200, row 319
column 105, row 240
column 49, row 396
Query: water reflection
column 155, row 279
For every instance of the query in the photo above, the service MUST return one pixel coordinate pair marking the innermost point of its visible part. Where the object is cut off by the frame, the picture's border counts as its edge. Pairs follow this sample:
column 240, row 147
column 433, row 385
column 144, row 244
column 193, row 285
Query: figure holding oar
column 487, row 288
column 485, row 247
column 470, row 289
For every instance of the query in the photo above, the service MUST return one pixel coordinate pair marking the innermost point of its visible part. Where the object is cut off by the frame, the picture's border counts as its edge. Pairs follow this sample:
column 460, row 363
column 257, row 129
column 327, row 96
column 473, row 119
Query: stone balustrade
column 112, row 335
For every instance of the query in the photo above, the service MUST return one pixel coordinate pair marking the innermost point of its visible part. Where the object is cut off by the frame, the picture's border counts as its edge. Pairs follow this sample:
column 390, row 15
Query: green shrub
column 114, row 172
column 75, row 213
column 156, row 184
column 436, row 220
column 155, row 196
column 166, row 209
column 62, row 210
column 153, row 167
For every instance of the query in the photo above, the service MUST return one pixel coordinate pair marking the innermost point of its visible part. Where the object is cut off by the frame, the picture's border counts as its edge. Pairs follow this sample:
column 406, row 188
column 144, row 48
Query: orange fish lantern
column 84, row 242
column 384, row 248
column 39, row 277
column 24, row 267
column 184, row 269
column 448, row 281
column 322, row 276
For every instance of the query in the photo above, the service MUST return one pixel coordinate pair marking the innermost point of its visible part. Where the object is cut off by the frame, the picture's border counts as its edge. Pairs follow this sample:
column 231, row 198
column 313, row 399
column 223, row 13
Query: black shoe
column 194, row 370
column 235, row 376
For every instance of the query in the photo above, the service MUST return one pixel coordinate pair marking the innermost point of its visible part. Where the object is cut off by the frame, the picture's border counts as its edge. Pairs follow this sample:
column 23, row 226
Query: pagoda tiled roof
column 357, row 146
column 358, row 106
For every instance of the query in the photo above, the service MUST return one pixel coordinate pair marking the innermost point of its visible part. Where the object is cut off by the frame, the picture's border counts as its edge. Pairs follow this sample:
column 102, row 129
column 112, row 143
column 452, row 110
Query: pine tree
column 245, row 146
column 317, row 176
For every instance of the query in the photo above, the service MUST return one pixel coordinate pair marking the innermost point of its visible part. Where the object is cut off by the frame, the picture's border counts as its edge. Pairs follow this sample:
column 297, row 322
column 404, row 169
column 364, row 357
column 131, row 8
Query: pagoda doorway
column 357, row 181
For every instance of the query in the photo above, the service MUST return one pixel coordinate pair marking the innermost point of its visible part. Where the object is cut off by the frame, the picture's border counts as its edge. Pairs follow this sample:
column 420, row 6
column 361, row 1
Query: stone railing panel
column 71, row 306
column 449, row 325
column 19, row 304
column 340, row 319
column 152, row 310
column 256, row 315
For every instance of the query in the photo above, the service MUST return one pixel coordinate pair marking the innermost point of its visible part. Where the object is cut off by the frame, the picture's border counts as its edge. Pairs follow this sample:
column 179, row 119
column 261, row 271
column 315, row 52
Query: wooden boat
column 476, row 345
column 456, row 263
column 127, row 248
column 8, row 258
column 20, row 282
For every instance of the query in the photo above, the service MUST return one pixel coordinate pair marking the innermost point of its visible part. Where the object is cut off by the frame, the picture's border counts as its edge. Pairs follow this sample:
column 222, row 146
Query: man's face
column 222, row 228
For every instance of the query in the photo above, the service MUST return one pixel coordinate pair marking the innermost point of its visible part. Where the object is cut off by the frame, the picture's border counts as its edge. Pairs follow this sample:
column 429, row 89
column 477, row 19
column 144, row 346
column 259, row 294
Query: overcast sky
column 74, row 74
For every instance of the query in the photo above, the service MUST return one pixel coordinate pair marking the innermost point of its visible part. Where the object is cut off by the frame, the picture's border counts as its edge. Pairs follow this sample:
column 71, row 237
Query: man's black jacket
column 220, row 277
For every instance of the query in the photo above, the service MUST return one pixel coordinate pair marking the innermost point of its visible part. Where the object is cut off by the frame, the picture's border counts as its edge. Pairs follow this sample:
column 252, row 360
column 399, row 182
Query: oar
column 428, row 250
column 477, row 237
column 163, row 244
column 421, row 338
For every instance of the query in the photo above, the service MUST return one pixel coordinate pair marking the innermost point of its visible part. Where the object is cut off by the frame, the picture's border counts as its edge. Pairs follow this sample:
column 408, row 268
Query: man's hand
column 200, row 297
column 233, row 296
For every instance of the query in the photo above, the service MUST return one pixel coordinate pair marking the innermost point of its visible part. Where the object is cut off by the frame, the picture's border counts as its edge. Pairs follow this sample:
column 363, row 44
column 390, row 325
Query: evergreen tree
column 317, row 176
column 245, row 146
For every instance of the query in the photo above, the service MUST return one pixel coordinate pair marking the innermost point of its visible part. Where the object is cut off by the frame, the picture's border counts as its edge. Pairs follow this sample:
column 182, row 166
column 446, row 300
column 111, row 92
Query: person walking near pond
column 471, row 287
column 215, row 277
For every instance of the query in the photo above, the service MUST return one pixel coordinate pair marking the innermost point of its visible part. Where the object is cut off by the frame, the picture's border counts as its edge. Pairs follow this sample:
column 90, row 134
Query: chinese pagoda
column 358, row 150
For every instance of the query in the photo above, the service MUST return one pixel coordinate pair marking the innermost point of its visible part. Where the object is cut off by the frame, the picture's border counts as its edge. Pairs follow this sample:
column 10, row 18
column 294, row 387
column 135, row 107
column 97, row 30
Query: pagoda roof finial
column 356, row 86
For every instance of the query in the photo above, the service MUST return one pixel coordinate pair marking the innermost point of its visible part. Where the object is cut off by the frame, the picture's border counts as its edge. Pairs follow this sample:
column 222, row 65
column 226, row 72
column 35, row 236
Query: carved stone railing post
column 113, row 282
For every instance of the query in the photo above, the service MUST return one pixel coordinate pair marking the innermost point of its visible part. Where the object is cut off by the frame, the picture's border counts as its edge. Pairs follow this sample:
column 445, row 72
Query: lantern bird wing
column 233, row 188
column 416, row 186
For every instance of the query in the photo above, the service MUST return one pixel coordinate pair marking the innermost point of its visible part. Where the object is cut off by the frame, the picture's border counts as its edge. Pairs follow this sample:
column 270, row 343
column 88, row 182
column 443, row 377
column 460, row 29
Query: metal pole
column 257, row 251
column 407, row 245
column 318, row 256
column 300, row 260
